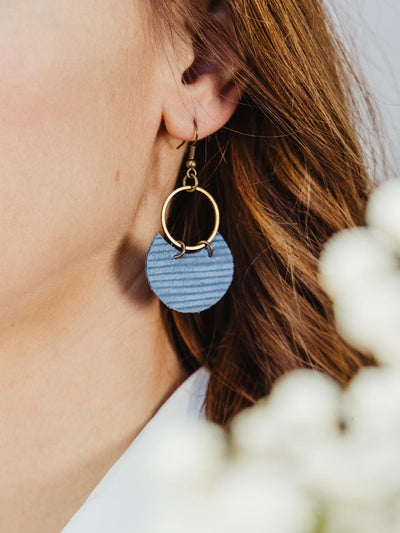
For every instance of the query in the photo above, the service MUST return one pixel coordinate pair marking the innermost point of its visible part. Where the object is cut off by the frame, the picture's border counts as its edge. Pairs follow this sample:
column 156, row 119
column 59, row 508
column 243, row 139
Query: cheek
column 50, row 53
column 64, row 133
column 24, row 74
column 31, row 56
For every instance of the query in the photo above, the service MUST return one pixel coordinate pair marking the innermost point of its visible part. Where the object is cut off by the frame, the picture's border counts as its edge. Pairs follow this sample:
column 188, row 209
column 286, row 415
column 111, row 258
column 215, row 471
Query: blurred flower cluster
column 312, row 457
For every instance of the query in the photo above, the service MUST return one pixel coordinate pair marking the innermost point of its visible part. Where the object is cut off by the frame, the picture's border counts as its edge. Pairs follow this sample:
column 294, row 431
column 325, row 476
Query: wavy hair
column 287, row 171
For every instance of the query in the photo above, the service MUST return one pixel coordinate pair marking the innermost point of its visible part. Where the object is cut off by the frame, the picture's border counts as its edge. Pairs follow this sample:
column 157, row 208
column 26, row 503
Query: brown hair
column 287, row 171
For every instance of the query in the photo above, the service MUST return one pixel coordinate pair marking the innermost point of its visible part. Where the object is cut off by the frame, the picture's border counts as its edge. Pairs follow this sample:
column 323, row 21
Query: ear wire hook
column 196, row 138
column 196, row 133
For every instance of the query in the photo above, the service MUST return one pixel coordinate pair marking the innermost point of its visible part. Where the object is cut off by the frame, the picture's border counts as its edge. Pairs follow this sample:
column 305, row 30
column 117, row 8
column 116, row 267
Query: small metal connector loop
column 191, row 174
column 183, row 250
column 210, row 247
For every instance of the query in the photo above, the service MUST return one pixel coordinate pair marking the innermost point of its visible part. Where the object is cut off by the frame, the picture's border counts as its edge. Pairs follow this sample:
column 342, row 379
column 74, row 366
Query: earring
column 198, row 276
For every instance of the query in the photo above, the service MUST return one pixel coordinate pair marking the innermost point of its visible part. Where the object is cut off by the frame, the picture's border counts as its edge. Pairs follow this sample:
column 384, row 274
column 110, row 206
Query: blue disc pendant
column 193, row 282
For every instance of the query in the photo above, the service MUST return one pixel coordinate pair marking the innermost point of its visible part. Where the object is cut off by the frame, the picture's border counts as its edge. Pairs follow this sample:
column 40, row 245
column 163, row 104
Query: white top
column 123, row 501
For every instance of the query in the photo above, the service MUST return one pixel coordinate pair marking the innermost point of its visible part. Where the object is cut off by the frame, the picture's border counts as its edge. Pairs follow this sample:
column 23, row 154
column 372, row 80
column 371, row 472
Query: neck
column 85, row 360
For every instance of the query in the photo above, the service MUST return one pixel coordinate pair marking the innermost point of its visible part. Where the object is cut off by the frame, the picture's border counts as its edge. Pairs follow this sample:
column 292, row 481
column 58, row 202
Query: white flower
column 352, row 257
column 371, row 404
column 252, row 497
column 361, row 466
column 368, row 317
column 303, row 404
column 383, row 209
column 253, row 429
column 350, row 470
column 353, row 518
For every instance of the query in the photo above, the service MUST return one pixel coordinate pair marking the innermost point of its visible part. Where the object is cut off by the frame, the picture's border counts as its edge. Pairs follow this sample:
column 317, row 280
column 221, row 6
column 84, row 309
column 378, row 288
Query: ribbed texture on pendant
column 193, row 282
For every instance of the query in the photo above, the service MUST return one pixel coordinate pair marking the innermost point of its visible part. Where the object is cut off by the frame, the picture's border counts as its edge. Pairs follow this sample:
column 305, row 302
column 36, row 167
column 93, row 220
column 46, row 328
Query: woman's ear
column 202, row 89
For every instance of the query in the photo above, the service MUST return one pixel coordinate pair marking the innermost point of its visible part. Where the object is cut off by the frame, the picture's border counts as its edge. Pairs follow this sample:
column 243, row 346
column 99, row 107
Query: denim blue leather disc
column 193, row 282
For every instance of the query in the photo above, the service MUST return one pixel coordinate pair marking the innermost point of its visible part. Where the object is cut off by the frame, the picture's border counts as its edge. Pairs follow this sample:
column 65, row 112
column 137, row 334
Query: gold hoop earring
column 189, row 282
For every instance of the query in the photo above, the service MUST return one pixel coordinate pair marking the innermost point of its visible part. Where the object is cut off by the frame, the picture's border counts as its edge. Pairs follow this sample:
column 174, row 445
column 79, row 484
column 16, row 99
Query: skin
column 92, row 108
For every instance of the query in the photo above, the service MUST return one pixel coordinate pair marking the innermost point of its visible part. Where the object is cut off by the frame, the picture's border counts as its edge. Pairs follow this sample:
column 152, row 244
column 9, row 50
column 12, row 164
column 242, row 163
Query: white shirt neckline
column 122, row 501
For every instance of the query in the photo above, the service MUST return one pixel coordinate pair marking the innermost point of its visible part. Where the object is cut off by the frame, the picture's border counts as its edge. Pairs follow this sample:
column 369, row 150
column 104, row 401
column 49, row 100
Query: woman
column 95, row 99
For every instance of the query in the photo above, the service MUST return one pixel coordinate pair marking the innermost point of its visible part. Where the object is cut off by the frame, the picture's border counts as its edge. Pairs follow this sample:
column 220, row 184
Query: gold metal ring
column 176, row 243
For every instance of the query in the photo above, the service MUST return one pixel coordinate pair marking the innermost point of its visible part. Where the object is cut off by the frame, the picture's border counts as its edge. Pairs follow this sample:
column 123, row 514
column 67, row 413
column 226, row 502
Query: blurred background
column 373, row 27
